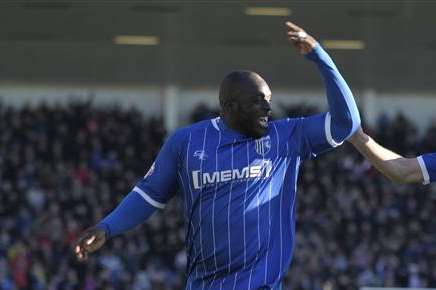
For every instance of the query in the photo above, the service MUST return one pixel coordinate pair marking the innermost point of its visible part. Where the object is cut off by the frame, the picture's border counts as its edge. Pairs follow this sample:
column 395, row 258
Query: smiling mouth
column 263, row 121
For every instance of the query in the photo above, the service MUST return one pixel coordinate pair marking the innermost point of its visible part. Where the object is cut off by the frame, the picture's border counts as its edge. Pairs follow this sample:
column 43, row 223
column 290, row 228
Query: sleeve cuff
column 315, row 53
column 148, row 198
column 328, row 131
column 424, row 170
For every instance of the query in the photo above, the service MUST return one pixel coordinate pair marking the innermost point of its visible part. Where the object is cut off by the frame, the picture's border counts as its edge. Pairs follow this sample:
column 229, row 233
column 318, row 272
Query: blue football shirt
column 239, row 197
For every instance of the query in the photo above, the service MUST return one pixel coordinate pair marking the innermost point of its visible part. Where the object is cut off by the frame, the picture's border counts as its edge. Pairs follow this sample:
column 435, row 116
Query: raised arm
column 343, row 118
column 397, row 168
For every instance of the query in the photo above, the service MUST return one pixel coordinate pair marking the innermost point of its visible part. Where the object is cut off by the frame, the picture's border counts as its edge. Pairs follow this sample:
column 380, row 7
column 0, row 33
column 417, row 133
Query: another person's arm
column 397, row 168
column 343, row 118
column 149, row 194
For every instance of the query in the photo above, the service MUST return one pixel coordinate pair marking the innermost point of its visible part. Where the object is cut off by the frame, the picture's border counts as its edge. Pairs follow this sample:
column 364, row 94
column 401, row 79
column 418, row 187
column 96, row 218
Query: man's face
column 254, row 108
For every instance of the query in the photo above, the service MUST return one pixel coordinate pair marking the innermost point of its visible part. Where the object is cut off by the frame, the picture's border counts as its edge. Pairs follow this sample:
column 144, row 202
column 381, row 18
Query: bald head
column 245, row 103
column 237, row 84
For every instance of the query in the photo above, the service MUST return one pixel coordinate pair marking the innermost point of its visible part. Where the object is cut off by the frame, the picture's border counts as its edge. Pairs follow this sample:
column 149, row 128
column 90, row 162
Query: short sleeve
column 427, row 162
column 160, row 183
column 315, row 135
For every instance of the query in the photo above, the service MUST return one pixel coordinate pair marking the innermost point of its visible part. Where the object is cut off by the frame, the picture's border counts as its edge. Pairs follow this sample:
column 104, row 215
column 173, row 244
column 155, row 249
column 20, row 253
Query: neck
column 231, row 123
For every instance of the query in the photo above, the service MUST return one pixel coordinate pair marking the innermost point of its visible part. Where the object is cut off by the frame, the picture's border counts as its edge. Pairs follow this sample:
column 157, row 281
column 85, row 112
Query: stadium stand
column 63, row 167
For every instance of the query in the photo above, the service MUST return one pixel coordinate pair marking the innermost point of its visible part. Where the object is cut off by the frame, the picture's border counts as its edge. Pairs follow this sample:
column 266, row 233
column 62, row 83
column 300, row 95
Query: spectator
column 61, row 166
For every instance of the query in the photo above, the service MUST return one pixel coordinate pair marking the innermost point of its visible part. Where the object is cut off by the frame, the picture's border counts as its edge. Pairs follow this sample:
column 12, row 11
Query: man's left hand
column 89, row 241
column 300, row 39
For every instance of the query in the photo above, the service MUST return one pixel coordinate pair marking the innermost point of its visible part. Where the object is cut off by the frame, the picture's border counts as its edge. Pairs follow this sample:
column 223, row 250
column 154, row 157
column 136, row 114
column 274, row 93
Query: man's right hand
column 89, row 241
column 304, row 42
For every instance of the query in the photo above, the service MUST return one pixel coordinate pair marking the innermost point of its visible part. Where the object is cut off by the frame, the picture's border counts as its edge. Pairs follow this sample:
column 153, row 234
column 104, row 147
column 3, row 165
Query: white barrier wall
column 177, row 103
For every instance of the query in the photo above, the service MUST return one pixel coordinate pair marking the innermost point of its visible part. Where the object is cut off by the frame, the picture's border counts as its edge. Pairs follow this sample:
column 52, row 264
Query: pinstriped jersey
column 239, row 197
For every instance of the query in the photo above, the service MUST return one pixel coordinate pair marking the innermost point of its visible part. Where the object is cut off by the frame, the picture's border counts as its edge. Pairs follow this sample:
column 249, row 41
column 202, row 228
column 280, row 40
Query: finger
column 292, row 26
column 293, row 33
column 80, row 252
column 82, row 257
column 300, row 33
column 296, row 39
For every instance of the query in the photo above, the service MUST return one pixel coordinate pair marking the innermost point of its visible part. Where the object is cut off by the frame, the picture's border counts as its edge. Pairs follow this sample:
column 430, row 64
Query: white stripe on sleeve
column 424, row 170
column 148, row 198
column 328, row 131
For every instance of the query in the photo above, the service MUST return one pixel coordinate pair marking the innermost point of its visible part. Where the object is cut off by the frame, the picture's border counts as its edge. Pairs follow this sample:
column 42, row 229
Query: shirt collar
column 221, row 126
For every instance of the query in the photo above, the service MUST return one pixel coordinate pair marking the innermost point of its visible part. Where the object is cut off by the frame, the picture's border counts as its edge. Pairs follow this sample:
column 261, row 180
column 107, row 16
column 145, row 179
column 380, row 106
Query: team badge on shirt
column 263, row 145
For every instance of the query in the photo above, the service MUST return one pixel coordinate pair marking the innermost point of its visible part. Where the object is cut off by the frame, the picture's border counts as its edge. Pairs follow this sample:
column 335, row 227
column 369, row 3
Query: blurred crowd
column 63, row 167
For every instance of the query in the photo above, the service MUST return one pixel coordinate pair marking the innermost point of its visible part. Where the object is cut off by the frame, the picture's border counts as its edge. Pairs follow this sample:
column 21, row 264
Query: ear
column 233, row 106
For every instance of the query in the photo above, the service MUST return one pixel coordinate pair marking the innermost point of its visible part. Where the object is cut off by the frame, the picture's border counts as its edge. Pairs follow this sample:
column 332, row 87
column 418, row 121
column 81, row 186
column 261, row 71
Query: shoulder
column 286, row 124
column 202, row 125
column 291, row 128
column 183, row 135
column 196, row 127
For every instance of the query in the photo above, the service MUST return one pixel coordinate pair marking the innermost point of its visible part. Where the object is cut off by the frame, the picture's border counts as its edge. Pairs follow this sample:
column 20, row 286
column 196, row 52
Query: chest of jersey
column 220, row 161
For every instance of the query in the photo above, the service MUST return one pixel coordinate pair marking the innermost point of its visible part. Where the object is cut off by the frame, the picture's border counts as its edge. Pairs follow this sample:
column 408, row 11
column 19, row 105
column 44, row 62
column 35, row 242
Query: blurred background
column 90, row 89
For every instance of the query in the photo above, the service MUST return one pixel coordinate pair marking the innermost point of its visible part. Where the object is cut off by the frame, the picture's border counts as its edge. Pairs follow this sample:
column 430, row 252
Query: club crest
column 263, row 145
